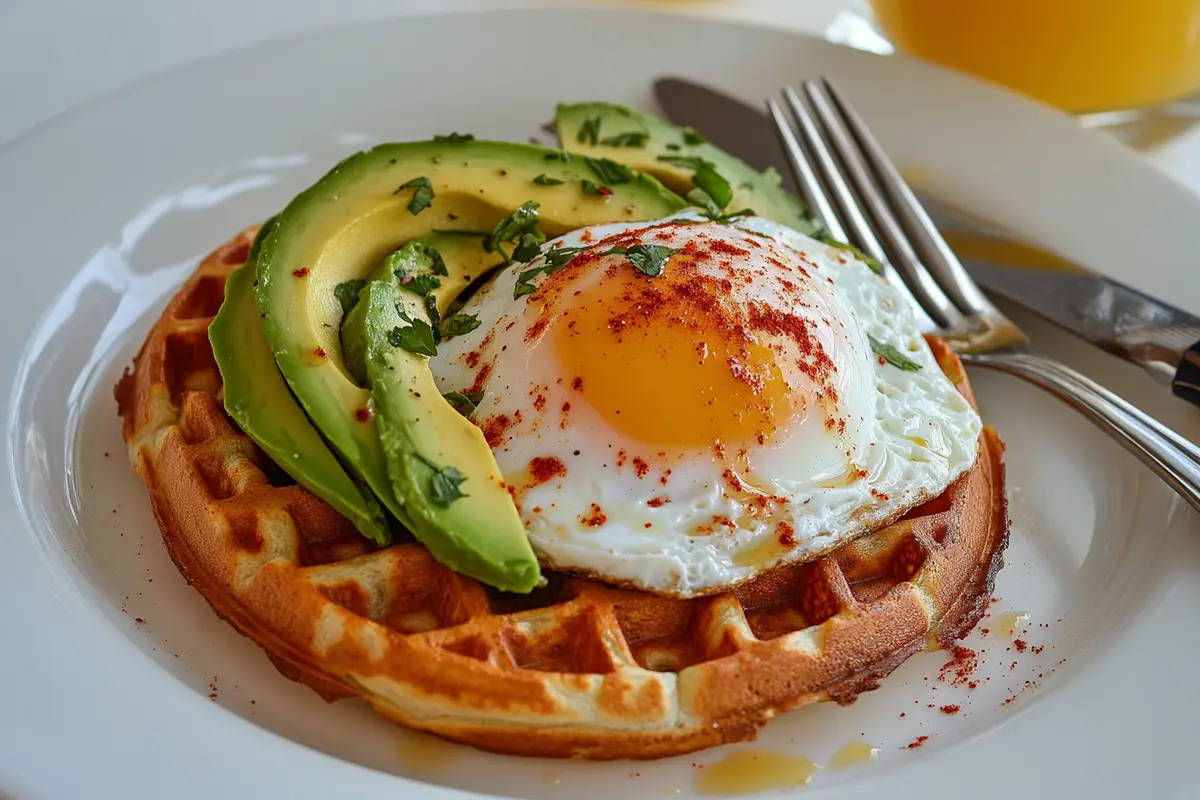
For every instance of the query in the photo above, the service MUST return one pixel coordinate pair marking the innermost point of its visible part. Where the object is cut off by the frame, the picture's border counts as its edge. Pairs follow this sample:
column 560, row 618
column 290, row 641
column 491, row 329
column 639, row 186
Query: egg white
column 910, row 432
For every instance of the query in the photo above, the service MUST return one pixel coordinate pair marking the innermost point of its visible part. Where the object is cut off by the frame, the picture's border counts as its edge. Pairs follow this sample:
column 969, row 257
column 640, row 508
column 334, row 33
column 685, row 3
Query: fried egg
column 679, row 405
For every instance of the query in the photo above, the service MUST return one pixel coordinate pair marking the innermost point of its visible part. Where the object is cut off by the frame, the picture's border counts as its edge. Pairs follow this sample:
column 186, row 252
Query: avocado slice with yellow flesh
column 260, row 402
column 345, row 225
column 440, row 465
column 609, row 130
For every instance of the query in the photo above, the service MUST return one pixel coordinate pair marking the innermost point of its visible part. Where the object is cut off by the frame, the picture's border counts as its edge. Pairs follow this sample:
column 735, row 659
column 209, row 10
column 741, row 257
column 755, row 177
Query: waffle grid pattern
column 573, row 669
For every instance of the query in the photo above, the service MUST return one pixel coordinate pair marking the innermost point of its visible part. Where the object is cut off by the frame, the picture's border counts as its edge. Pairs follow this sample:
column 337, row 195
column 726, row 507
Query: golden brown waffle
column 574, row 669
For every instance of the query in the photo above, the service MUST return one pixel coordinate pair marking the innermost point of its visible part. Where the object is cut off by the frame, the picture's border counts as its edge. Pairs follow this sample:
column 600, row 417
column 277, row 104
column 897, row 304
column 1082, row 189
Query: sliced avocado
column 260, row 402
column 642, row 141
column 344, row 226
column 440, row 465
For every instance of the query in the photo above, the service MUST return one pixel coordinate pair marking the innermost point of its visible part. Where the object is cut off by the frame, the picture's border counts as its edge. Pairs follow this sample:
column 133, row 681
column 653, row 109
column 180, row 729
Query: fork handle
column 1172, row 457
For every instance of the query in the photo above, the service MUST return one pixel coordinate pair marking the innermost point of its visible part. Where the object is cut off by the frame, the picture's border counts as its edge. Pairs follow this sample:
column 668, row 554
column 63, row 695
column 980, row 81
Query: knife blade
column 1117, row 318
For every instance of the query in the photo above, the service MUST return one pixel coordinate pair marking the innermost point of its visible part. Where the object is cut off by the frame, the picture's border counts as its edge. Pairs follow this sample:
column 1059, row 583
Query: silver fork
column 855, row 190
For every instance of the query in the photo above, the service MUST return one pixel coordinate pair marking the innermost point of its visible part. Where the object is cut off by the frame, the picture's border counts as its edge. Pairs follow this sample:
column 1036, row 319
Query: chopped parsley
column 628, row 139
column 673, row 147
column 893, row 356
column 467, row 399
column 459, row 324
column 422, row 198
column 647, row 259
column 347, row 293
column 416, row 337
column 443, row 484
column 559, row 155
column 546, row 180
column 513, row 228
column 589, row 131
column 611, row 172
column 420, row 285
column 704, row 177
column 527, row 249
column 455, row 138
column 556, row 259
column 700, row 198
column 825, row 238
column 693, row 136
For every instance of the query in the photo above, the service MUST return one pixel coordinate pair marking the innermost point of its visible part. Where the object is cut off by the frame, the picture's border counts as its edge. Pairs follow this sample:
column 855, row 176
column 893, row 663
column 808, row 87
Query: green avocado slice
column 440, row 465
column 260, row 402
column 642, row 141
column 344, row 226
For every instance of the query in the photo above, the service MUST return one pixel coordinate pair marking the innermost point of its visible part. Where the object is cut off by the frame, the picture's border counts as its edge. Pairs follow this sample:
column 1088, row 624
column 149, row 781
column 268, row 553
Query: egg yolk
column 665, row 361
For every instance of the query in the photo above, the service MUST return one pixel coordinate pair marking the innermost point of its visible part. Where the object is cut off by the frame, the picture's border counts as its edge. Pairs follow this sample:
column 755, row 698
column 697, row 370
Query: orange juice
column 1080, row 55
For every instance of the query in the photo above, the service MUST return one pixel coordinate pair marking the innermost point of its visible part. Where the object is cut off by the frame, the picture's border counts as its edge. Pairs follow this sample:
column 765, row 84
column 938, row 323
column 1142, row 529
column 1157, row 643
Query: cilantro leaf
column 546, row 180
column 611, row 172
column 825, row 238
column 628, row 139
column 673, row 147
column 559, row 256
column 416, row 338
column 558, row 155
column 423, row 196
column 443, row 484
column 420, row 285
column 589, row 132
column 455, row 138
column 647, row 259
column 893, row 356
column 527, row 249
column 693, row 136
column 589, row 187
column 524, row 286
column 459, row 324
column 435, row 319
column 704, row 177
column 512, row 228
column 347, row 293
column 468, row 399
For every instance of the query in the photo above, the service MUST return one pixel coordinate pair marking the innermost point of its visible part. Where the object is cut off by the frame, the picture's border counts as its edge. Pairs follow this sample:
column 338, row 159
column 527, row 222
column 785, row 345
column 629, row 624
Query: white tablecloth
column 55, row 54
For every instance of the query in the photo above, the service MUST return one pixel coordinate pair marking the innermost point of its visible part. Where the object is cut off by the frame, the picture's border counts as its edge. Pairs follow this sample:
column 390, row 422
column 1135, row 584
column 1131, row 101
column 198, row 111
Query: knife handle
column 1187, row 378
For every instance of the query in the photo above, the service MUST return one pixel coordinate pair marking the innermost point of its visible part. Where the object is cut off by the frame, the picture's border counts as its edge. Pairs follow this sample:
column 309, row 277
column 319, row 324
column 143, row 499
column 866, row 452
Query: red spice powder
column 640, row 467
column 577, row 384
column 300, row 273
column 1037, row 651
column 595, row 517
column 539, row 402
column 951, row 710
column 658, row 502
column 961, row 666
column 480, row 379
column 786, row 534
column 545, row 468
column 1021, row 645
column 319, row 352
column 494, row 428
column 726, row 249
column 917, row 742
column 362, row 414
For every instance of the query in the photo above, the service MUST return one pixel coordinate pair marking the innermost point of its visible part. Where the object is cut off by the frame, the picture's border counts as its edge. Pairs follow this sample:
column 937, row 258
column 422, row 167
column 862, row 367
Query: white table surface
column 56, row 54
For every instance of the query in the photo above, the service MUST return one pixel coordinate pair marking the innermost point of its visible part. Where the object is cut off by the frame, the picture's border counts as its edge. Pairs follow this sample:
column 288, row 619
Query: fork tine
column 814, row 151
column 903, row 256
column 811, row 191
column 857, row 228
column 933, row 250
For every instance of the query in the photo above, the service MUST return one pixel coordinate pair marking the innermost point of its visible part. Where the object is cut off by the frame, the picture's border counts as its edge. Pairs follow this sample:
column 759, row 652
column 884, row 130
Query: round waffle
column 574, row 669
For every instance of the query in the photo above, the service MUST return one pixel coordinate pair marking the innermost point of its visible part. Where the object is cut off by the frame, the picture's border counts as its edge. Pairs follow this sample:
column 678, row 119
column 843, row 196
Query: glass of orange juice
column 1080, row 55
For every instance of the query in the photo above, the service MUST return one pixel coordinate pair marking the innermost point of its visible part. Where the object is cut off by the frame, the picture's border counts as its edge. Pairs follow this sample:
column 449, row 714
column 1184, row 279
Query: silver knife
column 1161, row 338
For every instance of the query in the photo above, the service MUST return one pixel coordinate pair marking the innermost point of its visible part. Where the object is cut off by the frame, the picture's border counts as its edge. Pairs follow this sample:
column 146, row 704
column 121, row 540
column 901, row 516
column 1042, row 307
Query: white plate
column 109, row 660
